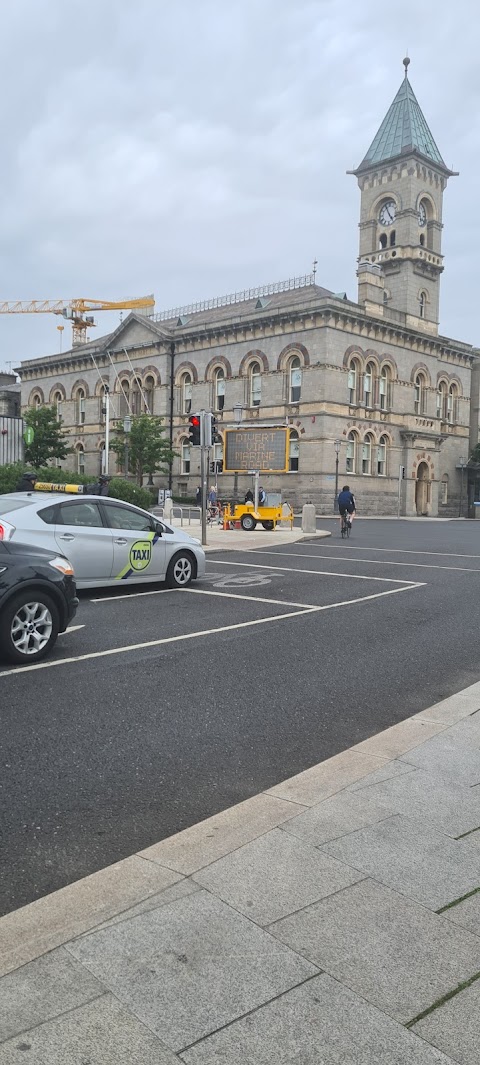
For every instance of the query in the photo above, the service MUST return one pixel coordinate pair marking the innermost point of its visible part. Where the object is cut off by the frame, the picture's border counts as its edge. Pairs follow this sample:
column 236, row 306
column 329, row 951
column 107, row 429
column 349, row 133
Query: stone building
column 371, row 381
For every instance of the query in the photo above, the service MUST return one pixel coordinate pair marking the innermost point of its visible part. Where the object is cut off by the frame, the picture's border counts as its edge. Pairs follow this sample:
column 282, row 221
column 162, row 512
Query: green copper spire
column 403, row 130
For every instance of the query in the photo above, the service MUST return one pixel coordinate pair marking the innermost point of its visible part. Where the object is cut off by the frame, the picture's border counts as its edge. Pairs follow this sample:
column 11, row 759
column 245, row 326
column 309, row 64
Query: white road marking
column 248, row 598
column 316, row 572
column 389, row 550
column 375, row 562
column 130, row 595
column 205, row 632
column 72, row 628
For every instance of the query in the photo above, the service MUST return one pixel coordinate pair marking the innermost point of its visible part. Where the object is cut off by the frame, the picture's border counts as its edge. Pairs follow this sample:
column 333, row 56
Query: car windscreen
column 7, row 505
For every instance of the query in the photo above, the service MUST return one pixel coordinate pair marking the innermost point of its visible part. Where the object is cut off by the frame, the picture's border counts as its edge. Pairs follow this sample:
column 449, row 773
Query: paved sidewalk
column 220, row 539
column 332, row 919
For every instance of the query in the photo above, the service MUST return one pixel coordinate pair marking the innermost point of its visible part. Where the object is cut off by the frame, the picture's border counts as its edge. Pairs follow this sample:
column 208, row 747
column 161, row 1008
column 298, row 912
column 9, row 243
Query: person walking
column 27, row 482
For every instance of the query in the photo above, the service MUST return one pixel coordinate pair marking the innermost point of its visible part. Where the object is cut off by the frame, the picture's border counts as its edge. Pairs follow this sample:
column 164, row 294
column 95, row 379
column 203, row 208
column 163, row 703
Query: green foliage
column 148, row 451
column 10, row 476
column 119, row 488
column 50, row 440
column 475, row 456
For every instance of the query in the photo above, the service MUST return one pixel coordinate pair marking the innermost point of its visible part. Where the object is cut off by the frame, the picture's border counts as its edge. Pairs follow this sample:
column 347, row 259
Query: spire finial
column 406, row 63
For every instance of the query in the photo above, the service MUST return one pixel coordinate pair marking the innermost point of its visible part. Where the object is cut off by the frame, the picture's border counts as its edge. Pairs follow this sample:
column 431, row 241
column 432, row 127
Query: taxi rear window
column 7, row 505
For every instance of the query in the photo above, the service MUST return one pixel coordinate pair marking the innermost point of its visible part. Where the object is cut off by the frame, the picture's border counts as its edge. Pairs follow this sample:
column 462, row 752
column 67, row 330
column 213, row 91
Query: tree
column 148, row 451
column 50, row 439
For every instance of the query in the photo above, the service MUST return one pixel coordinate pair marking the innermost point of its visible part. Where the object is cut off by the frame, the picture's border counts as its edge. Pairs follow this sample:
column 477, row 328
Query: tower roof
column 403, row 130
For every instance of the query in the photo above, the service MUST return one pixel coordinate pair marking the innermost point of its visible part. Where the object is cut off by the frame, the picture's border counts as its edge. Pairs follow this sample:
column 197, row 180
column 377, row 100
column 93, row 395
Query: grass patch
column 441, row 1001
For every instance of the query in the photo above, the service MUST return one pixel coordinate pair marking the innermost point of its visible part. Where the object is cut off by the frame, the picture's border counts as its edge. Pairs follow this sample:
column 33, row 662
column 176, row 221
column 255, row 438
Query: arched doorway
column 423, row 489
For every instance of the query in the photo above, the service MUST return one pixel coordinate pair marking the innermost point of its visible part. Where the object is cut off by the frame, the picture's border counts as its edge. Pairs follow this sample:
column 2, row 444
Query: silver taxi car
column 108, row 542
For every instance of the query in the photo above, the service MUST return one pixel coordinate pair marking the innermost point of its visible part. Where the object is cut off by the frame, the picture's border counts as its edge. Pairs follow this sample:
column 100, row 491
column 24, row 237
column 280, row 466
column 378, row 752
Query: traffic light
column 216, row 438
column 194, row 430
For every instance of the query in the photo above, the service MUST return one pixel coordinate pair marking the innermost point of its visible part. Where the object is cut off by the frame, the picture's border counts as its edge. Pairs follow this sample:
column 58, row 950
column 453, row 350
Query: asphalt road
column 168, row 706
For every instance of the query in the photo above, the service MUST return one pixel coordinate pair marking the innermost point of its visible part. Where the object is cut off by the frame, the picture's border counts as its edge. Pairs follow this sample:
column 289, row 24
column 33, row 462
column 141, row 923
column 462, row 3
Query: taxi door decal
column 140, row 556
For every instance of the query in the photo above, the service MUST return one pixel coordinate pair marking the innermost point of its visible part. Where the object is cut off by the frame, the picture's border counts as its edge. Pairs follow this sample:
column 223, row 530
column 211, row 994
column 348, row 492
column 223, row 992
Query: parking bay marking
column 205, row 632
column 370, row 562
column 316, row 572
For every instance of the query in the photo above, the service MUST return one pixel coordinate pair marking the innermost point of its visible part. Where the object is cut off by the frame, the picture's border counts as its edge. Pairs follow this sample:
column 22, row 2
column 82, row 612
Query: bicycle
column 346, row 525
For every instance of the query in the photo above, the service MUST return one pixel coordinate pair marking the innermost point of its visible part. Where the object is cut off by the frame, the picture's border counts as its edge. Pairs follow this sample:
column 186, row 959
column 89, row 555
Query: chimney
column 371, row 287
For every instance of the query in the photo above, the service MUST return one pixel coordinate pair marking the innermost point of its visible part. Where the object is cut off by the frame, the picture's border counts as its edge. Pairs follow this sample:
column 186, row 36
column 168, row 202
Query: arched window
column 295, row 380
column 57, row 403
column 124, row 400
column 148, row 392
column 351, row 453
column 80, row 406
column 80, row 459
column 36, row 401
column 422, row 240
column 353, row 377
column 255, row 384
column 444, row 490
column 442, row 392
column 422, row 300
column 219, row 388
column 185, row 456
column 367, row 454
column 419, row 394
column 368, row 384
column 186, row 393
column 392, row 238
column 293, row 450
column 382, row 456
column 383, row 241
column 385, row 388
column 452, row 404
column 135, row 397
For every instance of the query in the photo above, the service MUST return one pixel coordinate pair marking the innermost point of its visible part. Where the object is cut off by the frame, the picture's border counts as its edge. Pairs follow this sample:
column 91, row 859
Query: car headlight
column 63, row 565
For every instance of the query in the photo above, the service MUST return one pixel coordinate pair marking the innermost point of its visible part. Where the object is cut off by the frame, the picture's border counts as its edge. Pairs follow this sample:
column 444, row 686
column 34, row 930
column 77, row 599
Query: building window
column 351, row 453
column 368, row 382
column 36, row 401
column 57, row 403
column 442, row 400
column 135, row 397
column 219, row 389
column 419, row 394
column 422, row 240
column 185, row 457
column 452, row 404
column 148, row 392
column 367, row 454
column 382, row 457
column 383, row 241
column 295, row 382
column 353, row 381
column 392, row 238
column 124, row 404
column 422, row 304
column 80, row 460
column 444, row 490
column 186, row 395
column 80, row 402
column 293, row 451
column 385, row 389
column 255, row 384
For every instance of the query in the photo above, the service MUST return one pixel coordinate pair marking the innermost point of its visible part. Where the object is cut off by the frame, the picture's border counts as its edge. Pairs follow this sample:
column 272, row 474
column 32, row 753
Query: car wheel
column 28, row 627
column 248, row 522
column 180, row 571
column 268, row 525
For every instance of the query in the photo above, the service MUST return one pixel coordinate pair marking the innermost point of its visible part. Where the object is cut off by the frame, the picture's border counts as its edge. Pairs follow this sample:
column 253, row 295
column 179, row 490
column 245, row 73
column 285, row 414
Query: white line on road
column 388, row 550
column 248, row 598
column 295, row 569
column 72, row 628
column 373, row 562
column 204, row 632
column 130, row 595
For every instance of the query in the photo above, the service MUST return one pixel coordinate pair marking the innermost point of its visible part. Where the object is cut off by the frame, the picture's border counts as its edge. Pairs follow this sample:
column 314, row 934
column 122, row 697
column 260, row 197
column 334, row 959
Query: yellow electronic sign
column 265, row 450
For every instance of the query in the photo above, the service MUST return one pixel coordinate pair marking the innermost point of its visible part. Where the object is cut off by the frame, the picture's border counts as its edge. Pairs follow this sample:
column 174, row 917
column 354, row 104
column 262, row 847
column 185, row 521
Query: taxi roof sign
column 46, row 486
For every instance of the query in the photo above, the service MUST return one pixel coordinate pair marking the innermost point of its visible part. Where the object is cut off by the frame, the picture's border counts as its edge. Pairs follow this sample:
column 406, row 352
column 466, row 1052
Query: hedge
column 119, row 488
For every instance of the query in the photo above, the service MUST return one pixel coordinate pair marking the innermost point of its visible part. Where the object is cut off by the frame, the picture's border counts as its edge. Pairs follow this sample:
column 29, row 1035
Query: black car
column 37, row 600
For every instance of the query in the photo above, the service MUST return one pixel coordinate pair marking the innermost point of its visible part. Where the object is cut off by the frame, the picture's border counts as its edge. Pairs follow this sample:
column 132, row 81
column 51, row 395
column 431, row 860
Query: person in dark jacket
column 249, row 496
column 100, row 488
column 27, row 482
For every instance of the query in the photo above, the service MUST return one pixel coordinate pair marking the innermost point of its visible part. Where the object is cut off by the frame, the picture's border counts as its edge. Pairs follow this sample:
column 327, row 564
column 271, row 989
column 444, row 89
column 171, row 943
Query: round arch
column 34, row 394
column 291, row 350
column 77, row 386
column 186, row 367
column 218, row 363
column 57, row 388
column 255, row 355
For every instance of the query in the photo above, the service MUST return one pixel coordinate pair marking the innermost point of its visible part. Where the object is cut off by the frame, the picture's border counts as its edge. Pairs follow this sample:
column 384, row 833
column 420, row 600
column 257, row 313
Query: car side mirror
column 159, row 529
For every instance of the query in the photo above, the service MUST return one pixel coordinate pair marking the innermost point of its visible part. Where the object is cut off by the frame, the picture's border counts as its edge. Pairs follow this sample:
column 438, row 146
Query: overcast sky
column 191, row 148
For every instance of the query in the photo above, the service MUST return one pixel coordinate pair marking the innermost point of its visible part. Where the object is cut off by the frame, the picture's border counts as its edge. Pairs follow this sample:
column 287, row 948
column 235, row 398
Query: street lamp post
column 337, row 446
column 238, row 415
column 460, row 504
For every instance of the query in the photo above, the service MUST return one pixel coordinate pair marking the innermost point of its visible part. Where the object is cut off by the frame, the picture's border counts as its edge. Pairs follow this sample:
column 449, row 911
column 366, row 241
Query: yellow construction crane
column 76, row 310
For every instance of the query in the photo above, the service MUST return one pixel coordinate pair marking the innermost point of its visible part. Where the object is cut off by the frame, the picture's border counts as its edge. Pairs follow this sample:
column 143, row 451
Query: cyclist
column 346, row 504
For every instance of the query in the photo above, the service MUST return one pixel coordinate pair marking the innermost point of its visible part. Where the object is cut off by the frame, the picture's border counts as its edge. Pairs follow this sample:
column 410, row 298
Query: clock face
column 422, row 215
column 387, row 213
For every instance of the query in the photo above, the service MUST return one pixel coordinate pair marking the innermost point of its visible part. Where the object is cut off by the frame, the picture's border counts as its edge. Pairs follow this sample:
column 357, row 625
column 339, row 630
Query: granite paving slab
column 412, row 858
column 100, row 1033
column 466, row 914
column 321, row 1023
column 396, row 768
column 327, row 777
column 154, row 902
column 455, row 1026
column 423, row 795
column 337, row 816
column 191, row 967
column 275, row 875
column 42, row 989
column 448, row 756
column 393, row 952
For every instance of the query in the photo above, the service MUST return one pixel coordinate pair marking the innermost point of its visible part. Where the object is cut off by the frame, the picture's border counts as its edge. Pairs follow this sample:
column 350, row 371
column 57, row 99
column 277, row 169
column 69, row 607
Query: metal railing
column 235, row 297
column 184, row 514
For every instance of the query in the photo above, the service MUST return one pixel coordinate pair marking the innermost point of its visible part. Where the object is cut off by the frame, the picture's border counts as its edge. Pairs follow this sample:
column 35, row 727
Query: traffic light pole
column 204, row 474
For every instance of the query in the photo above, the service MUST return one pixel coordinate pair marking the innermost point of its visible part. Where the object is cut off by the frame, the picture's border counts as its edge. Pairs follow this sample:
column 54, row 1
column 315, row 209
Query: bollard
column 309, row 518
column 167, row 510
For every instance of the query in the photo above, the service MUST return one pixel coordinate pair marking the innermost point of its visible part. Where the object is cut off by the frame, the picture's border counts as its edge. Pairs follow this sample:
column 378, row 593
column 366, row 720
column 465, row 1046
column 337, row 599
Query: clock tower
column 402, row 179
